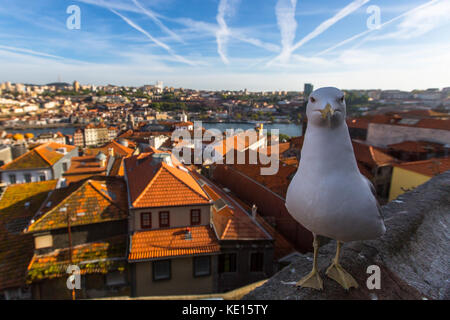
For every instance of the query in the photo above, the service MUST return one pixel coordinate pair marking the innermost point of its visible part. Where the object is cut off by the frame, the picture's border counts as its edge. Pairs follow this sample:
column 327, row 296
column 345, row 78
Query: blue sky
column 228, row 44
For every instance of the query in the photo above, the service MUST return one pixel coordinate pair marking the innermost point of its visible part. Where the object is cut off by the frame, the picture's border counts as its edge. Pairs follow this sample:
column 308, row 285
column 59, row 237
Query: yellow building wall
column 405, row 180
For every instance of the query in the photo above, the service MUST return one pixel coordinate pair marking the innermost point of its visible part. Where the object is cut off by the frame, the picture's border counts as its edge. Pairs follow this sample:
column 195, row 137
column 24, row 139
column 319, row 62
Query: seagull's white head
column 326, row 107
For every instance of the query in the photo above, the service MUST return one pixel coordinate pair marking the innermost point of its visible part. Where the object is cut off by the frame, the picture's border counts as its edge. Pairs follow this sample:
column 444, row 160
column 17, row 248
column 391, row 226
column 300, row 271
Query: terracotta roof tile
column 117, row 168
column 183, row 124
column 430, row 167
column 359, row 123
column 162, row 243
column 119, row 149
column 231, row 222
column 97, row 257
column 95, row 200
column 160, row 184
column 415, row 146
column 433, row 124
column 84, row 165
column 277, row 182
column 16, row 248
column 42, row 156
column 370, row 155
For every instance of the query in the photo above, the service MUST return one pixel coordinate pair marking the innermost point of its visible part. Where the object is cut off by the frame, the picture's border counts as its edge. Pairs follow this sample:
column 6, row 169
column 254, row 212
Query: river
column 291, row 129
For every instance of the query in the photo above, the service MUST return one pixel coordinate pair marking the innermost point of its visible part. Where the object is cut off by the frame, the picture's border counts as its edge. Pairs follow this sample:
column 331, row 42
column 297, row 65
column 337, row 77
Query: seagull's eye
column 341, row 99
column 312, row 99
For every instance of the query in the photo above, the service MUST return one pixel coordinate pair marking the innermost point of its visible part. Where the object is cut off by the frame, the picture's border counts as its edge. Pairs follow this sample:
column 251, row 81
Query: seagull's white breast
column 328, row 195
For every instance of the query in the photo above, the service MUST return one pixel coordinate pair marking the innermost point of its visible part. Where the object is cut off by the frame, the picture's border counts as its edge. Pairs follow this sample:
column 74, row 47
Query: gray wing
column 374, row 192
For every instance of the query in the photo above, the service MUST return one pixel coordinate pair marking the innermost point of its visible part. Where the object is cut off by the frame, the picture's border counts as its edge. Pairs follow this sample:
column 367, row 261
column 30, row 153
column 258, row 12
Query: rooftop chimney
column 254, row 210
column 188, row 234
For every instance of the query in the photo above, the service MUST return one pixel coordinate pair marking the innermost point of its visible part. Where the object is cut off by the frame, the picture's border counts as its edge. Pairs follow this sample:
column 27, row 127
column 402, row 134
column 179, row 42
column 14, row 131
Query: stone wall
column 413, row 255
column 382, row 135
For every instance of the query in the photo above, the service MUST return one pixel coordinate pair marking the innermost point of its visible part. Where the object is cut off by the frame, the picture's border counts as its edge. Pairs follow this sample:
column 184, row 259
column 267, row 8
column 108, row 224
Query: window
column 146, row 220
column 45, row 241
column 27, row 177
column 202, row 266
column 42, row 177
column 195, row 217
column 161, row 270
column 227, row 262
column 64, row 166
column 256, row 261
column 116, row 279
column 164, row 220
column 12, row 178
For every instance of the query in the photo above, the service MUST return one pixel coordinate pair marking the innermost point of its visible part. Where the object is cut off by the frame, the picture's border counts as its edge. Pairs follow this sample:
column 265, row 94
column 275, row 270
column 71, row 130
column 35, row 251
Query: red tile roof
column 239, row 142
column 433, row 124
column 396, row 119
column 18, row 204
column 430, row 167
column 277, row 182
column 98, row 199
column 85, row 164
column 183, row 124
column 162, row 243
column 276, row 148
column 415, row 146
column 424, row 113
column 103, row 256
column 117, row 167
column 42, row 156
column 158, row 184
column 231, row 222
column 119, row 149
column 359, row 123
column 370, row 155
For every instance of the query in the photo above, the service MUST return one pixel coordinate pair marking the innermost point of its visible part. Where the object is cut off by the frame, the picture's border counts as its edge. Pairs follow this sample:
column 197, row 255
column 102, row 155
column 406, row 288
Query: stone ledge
column 413, row 255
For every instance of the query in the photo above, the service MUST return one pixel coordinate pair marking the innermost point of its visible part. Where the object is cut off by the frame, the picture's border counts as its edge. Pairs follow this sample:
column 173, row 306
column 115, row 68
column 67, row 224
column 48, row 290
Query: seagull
column 328, row 195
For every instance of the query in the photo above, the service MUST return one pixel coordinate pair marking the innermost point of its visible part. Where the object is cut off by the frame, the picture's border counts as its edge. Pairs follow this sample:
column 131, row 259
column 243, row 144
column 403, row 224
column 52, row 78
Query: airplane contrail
column 359, row 35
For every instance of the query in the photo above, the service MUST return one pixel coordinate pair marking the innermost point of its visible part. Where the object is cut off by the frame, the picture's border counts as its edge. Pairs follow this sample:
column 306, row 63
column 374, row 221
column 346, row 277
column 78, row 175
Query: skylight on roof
column 409, row 121
column 110, row 194
column 219, row 204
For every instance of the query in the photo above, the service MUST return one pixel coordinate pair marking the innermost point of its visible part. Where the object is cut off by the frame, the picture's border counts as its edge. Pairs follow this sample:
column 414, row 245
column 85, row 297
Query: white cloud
column 28, row 51
column 152, row 15
column 235, row 33
column 382, row 26
column 149, row 36
column 224, row 9
column 285, row 13
column 285, row 54
column 111, row 4
column 420, row 22
column 411, row 67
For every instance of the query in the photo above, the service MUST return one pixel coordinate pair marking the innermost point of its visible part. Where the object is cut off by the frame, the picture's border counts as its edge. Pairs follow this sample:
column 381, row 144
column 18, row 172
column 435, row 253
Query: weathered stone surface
column 413, row 255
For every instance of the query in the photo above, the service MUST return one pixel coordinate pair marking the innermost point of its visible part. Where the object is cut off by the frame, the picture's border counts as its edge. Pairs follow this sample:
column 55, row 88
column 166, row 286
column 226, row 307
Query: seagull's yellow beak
column 327, row 111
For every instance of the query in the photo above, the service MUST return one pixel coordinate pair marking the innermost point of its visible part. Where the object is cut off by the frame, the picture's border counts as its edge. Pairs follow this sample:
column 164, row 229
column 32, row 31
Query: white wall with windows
column 25, row 176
